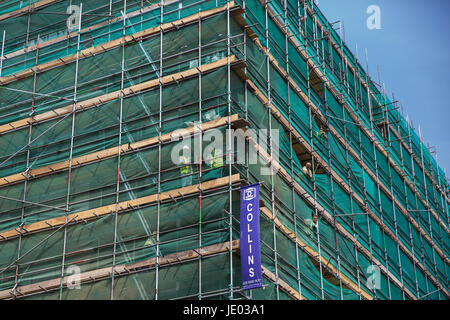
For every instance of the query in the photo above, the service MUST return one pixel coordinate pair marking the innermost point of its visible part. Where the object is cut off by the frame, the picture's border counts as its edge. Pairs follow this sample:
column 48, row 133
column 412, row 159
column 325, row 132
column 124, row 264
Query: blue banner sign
column 249, row 243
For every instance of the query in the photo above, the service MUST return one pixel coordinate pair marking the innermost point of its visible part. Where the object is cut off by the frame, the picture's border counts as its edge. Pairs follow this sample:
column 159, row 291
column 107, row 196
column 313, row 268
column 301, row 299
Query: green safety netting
column 90, row 245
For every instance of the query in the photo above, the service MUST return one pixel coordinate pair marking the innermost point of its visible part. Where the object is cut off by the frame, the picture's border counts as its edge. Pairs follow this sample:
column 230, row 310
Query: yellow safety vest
column 148, row 242
column 321, row 135
column 185, row 169
column 309, row 228
column 215, row 161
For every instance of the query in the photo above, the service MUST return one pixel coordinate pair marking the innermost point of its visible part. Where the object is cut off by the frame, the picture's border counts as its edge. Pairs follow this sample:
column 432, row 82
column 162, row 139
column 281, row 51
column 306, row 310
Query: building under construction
column 92, row 95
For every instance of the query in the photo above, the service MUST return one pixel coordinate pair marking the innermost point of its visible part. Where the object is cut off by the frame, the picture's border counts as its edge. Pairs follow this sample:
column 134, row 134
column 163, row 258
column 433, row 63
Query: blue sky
column 412, row 49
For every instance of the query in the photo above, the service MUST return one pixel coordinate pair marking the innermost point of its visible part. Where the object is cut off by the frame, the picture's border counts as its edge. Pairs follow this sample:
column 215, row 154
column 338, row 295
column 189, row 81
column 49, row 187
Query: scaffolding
column 92, row 99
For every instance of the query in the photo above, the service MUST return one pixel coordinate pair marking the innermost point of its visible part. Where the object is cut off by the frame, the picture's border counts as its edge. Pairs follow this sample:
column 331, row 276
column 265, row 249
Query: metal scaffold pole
column 246, row 112
column 330, row 165
column 407, row 201
column 119, row 151
column 349, row 174
column 417, row 213
column 291, row 143
column 228, row 156
column 428, row 208
column 22, row 222
column 161, row 33
column 72, row 137
column 270, row 147
column 313, row 160
column 200, row 140
column 2, row 56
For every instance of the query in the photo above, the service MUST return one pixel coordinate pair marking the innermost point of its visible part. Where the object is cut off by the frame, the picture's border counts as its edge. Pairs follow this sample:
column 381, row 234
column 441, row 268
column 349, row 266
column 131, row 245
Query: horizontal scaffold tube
column 112, row 44
column 126, row 269
column 95, row 213
column 96, row 101
column 114, row 151
column 123, row 269
column 26, row 9
column 73, row 34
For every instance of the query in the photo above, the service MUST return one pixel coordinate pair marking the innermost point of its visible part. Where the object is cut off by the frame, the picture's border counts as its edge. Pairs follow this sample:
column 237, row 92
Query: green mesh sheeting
column 180, row 224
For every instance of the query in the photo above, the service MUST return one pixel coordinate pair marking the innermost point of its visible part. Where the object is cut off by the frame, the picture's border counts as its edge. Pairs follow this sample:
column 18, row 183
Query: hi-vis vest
column 215, row 160
column 148, row 242
column 310, row 227
column 319, row 135
column 187, row 168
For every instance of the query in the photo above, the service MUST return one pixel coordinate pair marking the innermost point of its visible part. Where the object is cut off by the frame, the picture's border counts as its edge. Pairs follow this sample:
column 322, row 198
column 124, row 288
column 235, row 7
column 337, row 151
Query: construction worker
column 312, row 224
column 215, row 159
column 322, row 133
column 214, row 163
column 186, row 167
column 307, row 169
column 150, row 244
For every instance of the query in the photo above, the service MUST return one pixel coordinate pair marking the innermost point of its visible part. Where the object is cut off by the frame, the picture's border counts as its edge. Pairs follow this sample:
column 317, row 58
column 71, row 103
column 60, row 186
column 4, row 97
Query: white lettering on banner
column 250, row 239
column 251, row 258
